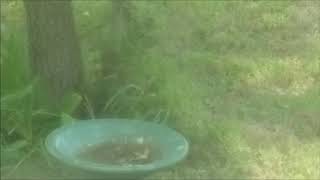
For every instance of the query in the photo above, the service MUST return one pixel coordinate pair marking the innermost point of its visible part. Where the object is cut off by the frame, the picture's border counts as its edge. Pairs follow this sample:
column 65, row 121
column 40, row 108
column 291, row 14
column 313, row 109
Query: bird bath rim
column 51, row 145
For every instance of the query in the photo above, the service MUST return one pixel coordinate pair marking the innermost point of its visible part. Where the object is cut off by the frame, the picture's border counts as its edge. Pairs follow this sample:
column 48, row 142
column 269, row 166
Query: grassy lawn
column 251, row 123
column 249, row 113
column 260, row 121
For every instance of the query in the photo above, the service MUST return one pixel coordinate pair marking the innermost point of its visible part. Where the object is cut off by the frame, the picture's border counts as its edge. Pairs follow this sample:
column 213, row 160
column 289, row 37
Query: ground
column 247, row 130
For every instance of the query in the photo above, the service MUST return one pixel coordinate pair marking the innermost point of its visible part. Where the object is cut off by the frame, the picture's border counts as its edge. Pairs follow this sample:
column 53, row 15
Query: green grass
column 250, row 108
column 238, row 126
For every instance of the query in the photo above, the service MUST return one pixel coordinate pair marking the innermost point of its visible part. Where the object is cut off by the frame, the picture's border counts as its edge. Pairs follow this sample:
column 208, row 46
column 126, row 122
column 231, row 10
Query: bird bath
column 117, row 148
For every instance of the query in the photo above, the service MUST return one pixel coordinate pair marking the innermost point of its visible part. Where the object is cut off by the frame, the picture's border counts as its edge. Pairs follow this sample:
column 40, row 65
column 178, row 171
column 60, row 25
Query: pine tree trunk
column 54, row 49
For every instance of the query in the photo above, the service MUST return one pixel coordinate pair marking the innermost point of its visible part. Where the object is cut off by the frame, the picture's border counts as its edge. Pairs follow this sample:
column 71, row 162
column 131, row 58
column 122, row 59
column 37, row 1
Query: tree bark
column 117, row 31
column 54, row 49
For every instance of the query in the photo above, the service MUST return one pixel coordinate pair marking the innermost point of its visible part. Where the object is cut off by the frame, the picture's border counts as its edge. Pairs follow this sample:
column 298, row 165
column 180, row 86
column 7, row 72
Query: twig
column 119, row 92
column 88, row 106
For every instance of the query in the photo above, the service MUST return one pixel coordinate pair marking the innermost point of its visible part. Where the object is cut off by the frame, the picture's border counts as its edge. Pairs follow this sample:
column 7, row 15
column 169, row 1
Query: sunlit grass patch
column 278, row 153
column 289, row 76
column 216, row 117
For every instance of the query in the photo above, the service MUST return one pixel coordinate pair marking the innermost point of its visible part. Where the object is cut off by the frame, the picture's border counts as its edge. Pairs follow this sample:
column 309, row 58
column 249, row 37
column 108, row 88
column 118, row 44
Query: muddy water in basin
column 122, row 152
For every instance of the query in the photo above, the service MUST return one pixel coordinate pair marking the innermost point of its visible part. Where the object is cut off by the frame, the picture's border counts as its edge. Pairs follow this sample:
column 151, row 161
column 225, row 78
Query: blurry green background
column 240, row 79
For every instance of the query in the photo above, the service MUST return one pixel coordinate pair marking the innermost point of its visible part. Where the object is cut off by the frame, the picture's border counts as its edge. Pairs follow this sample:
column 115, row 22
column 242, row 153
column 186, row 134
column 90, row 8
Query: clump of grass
column 278, row 153
column 290, row 76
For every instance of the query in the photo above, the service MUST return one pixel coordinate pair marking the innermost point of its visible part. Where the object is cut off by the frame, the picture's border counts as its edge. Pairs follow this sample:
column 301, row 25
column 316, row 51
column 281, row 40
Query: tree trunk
column 54, row 49
column 117, row 31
